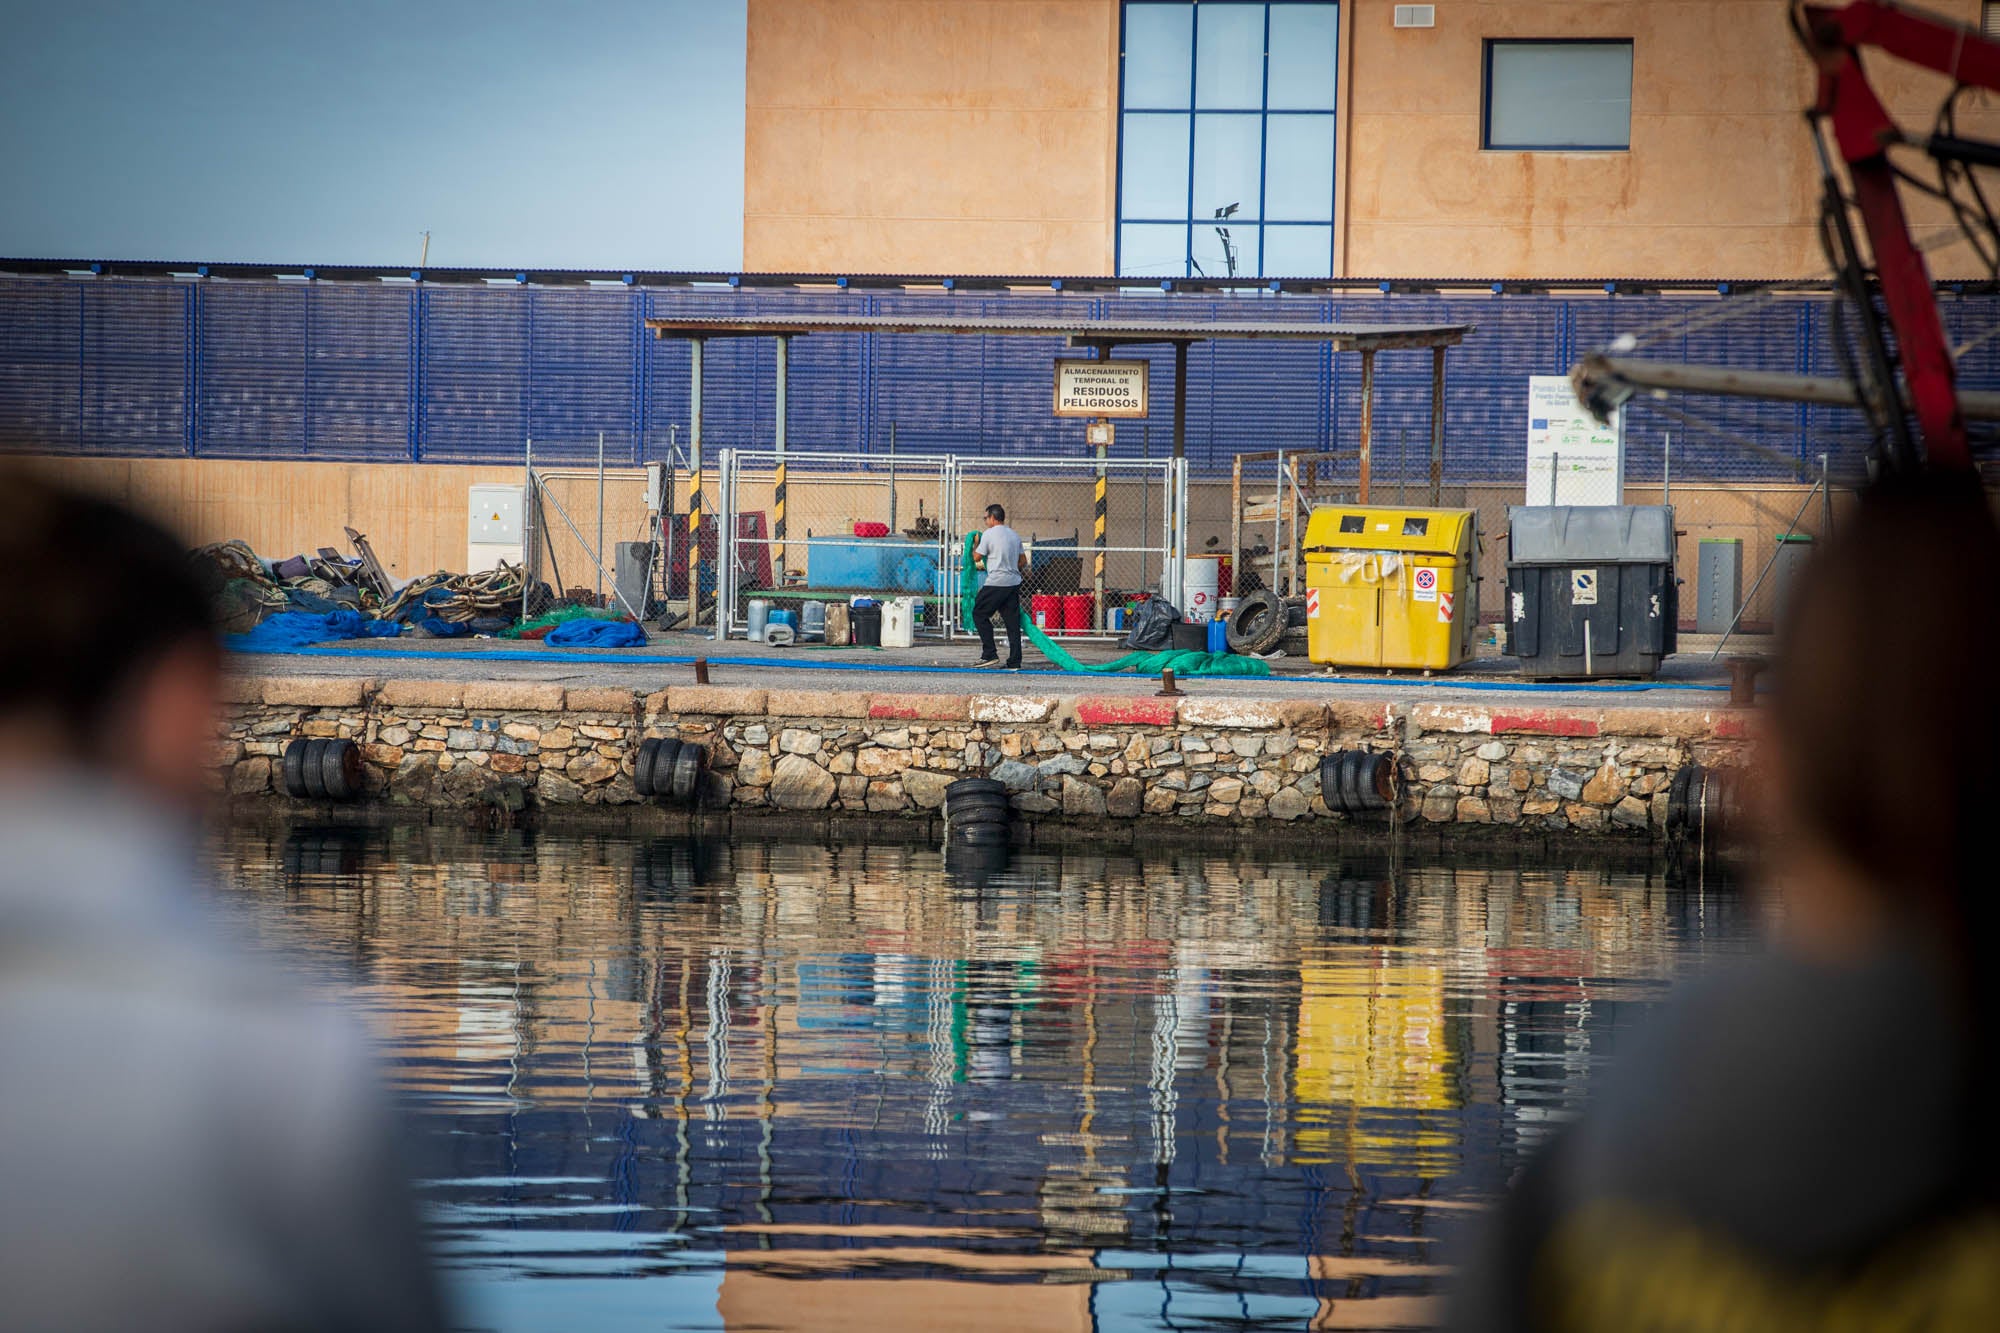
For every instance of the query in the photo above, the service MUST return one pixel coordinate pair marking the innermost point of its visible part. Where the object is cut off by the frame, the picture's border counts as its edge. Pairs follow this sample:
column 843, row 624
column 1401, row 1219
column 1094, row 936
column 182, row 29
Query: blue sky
column 587, row 133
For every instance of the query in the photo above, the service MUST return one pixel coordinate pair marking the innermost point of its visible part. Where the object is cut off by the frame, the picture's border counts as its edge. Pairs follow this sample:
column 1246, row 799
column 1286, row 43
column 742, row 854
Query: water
column 664, row 1085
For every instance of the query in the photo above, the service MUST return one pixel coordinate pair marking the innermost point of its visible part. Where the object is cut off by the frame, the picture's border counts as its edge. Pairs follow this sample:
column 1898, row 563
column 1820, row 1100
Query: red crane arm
column 1863, row 132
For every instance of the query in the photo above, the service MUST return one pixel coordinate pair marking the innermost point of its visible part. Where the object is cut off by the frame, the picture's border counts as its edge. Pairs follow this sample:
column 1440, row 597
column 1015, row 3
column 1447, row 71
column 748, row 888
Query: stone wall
column 516, row 746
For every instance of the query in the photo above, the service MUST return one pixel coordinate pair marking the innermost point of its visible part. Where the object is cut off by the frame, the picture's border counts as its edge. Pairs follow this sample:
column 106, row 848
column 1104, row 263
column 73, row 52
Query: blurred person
column 1002, row 556
column 1804, row 1143
column 185, row 1143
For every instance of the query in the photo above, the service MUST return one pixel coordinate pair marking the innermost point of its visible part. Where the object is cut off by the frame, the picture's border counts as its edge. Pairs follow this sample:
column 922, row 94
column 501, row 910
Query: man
column 999, row 553
column 185, row 1143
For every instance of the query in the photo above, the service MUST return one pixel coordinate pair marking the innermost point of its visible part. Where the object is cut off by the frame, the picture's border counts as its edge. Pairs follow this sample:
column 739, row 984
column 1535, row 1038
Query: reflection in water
column 668, row 1084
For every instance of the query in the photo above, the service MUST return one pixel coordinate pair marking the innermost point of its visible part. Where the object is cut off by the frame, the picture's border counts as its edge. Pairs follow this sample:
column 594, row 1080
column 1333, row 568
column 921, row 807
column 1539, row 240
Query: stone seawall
column 516, row 746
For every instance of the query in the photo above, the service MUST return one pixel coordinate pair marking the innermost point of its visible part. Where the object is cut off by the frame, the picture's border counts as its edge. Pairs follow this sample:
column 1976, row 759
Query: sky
column 558, row 134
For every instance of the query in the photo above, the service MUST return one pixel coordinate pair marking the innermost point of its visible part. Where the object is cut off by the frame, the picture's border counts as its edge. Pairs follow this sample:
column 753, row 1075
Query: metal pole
column 1403, row 463
column 1098, row 517
column 1277, row 530
column 778, row 486
column 599, row 554
column 1825, row 501
column 1667, row 470
column 1367, row 421
column 1145, row 504
column 892, row 479
column 1554, row 461
column 1437, row 426
column 528, row 562
column 694, row 483
column 1171, row 572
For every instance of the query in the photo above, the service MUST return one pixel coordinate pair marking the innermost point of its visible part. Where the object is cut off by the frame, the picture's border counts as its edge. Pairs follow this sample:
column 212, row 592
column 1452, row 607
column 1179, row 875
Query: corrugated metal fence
column 393, row 373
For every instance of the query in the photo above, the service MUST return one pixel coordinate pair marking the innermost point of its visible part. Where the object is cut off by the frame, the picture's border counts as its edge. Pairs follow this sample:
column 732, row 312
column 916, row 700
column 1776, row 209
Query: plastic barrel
column 1218, row 636
column 1199, row 589
column 1115, row 619
column 1045, row 609
column 760, row 616
column 1076, row 609
column 867, row 622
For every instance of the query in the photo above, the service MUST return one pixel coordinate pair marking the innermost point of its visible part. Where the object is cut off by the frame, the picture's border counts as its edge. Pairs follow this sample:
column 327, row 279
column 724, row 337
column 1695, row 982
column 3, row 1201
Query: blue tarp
column 296, row 629
column 596, row 634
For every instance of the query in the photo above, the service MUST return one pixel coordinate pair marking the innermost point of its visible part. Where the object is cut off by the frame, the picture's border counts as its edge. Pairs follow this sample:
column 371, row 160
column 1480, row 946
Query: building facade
column 1500, row 139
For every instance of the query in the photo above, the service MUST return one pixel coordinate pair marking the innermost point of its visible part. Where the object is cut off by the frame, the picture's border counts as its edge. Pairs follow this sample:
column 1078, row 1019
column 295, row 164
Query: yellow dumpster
column 1391, row 587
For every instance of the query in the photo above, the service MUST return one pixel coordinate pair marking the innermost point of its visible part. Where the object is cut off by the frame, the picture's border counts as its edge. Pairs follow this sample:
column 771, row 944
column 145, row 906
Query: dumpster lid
column 1338, row 527
column 1565, row 534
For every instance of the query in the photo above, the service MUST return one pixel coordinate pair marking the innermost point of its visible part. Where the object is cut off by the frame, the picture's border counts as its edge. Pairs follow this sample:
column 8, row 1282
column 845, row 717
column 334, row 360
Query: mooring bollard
column 701, row 671
column 1167, row 687
column 1743, row 679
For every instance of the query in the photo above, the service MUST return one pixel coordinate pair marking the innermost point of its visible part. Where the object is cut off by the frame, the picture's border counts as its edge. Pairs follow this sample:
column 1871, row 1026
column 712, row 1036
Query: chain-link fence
column 818, row 529
column 1098, row 534
column 827, row 528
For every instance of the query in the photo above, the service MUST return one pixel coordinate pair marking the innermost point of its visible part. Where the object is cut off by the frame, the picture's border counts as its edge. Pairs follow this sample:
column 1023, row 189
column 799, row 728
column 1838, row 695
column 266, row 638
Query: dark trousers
column 1006, row 602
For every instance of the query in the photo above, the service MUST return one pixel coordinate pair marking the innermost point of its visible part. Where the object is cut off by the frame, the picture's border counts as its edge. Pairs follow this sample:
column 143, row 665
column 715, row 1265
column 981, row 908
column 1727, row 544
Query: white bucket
column 899, row 622
column 1203, row 575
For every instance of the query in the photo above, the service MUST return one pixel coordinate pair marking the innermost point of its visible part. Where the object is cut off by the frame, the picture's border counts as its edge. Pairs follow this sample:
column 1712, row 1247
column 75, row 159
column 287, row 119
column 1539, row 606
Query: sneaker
column 986, row 663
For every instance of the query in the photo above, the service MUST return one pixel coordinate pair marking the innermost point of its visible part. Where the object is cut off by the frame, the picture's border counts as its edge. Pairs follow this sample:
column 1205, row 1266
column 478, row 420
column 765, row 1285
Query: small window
column 1571, row 96
column 1416, row 527
column 1989, row 18
column 1353, row 523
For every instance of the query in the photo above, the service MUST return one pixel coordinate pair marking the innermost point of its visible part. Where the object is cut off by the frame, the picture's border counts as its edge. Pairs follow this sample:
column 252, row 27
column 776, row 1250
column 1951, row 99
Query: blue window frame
column 1227, row 111
column 1567, row 94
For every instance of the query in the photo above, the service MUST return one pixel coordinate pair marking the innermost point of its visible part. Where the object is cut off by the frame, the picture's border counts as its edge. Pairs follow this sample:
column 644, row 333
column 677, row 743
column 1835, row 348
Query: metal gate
column 788, row 530
column 1094, row 528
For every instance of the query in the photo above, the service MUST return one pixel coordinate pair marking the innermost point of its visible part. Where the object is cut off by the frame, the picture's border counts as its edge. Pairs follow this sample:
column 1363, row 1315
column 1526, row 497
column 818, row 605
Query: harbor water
column 669, row 1084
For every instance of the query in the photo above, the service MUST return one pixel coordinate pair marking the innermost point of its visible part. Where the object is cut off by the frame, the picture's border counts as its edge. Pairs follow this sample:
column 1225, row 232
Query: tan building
column 1504, row 139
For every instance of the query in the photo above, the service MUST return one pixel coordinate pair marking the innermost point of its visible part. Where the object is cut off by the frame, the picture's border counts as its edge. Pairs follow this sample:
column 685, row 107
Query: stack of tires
column 322, row 769
column 669, row 771
column 1357, row 782
column 976, row 812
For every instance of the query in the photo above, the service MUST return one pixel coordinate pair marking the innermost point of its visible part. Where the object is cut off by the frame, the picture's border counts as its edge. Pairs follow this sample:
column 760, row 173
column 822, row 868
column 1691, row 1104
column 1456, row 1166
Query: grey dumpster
column 1591, row 589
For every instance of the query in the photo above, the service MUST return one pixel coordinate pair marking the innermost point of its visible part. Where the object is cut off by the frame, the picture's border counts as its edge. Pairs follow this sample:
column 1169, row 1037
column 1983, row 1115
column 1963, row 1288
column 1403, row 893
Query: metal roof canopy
column 1102, row 334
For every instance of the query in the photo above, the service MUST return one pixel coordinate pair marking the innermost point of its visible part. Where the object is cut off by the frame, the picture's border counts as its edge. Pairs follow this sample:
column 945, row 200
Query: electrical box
column 493, row 527
column 1718, row 584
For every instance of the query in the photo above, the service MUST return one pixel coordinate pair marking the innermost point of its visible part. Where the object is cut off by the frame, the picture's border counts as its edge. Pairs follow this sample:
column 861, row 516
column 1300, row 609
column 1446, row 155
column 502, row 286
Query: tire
column 309, row 765
column 1257, row 624
column 642, row 766
column 690, row 766
column 981, row 801
column 660, row 773
column 1374, row 780
column 967, row 818
column 340, row 770
column 1329, row 781
column 295, row 768
column 974, row 787
column 1350, row 782
column 982, row 835
column 1677, row 801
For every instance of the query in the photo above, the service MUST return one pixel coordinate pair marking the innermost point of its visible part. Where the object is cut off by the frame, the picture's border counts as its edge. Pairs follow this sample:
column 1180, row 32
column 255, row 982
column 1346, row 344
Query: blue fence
column 463, row 374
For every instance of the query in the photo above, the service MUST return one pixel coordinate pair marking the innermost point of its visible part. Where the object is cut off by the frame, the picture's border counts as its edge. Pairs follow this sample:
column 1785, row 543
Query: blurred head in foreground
column 185, row 1141
column 1802, row 1142
column 110, row 663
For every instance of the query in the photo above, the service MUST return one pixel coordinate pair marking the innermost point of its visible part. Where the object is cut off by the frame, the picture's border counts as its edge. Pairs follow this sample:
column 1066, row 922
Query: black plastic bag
column 1153, row 626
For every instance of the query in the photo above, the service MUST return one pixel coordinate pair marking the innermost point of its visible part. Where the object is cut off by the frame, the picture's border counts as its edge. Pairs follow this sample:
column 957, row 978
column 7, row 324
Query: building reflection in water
column 686, row 1084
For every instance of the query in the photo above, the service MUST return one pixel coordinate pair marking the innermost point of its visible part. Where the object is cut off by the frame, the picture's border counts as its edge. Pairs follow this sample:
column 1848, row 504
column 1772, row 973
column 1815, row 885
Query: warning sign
column 1426, row 585
column 1100, row 388
column 1583, row 587
column 1444, row 607
column 1312, row 604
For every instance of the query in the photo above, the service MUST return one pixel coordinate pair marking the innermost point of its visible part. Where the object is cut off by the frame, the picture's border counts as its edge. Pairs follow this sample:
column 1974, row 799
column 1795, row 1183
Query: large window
column 1226, row 139
column 1567, row 95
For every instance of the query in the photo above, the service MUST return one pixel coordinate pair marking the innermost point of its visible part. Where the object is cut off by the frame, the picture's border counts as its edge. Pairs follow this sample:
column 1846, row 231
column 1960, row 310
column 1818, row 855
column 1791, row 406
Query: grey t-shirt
column 1001, row 546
